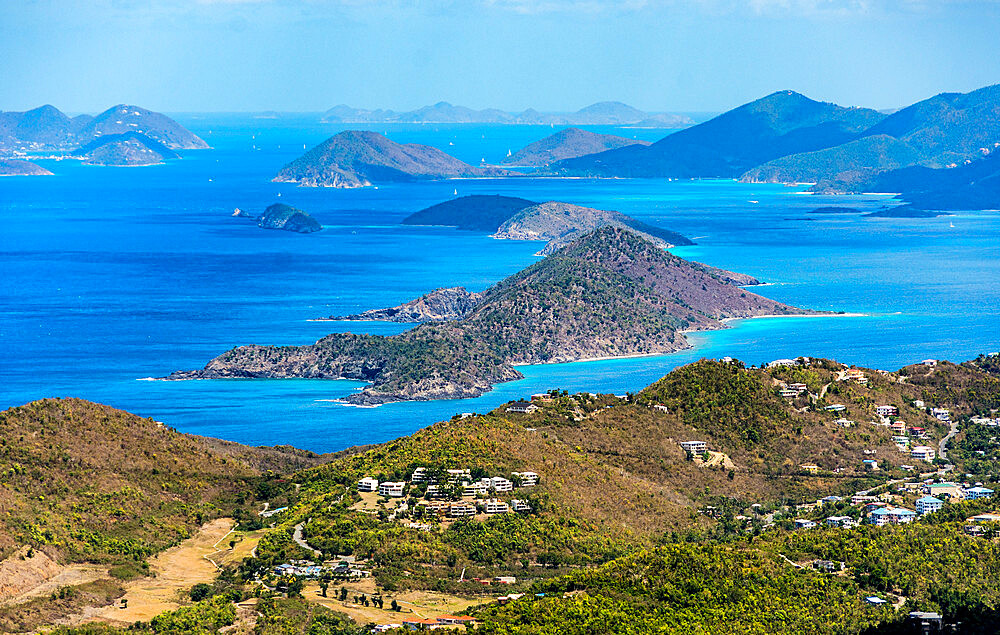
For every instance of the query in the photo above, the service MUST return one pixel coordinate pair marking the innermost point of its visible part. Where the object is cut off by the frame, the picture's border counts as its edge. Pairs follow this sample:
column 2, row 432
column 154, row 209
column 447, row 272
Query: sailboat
column 455, row 193
column 508, row 151
column 952, row 225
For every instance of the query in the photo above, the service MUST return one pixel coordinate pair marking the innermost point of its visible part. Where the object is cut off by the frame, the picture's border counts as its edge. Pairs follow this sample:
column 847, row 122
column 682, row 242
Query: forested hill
column 639, row 301
column 359, row 158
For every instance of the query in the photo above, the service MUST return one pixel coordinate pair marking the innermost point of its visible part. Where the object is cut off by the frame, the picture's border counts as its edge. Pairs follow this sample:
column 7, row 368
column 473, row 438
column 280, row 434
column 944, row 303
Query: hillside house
column 391, row 489
column 368, row 484
column 804, row 523
column 836, row 407
column 886, row 411
column 809, row 467
column 840, row 521
column 461, row 509
column 941, row 414
column 928, row 504
column 496, row 506
column 520, row 506
column 929, row 362
column 525, row 479
column 479, row 488
column 694, row 448
column 456, row 476
column 870, row 465
column 523, row 407
column 844, row 423
column 898, row 427
column 778, row 363
column 919, row 404
column 500, row 484
column 923, row 453
column 974, row 493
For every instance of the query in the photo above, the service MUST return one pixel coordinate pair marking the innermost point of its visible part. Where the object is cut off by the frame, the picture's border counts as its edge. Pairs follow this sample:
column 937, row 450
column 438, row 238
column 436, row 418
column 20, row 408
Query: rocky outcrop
column 288, row 218
column 440, row 305
column 611, row 293
column 359, row 158
column 19, row 167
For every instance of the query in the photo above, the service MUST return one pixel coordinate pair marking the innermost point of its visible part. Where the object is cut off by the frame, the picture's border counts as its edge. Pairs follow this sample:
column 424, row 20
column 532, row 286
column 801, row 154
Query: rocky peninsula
column 640, row 300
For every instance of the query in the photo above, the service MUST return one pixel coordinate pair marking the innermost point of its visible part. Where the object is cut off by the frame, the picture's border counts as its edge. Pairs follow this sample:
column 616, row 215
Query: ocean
column 113, row 275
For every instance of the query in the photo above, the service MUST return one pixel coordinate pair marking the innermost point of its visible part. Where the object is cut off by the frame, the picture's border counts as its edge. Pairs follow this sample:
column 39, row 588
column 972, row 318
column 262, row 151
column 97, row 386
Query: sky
column 552, row 55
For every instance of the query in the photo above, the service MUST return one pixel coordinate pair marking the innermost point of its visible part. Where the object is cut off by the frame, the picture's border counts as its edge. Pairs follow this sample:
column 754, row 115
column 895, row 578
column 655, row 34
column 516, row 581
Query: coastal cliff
column 358, row 158
column 640, row 300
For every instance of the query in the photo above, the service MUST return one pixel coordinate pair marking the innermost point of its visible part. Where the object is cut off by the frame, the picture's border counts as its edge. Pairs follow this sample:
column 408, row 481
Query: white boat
column 455, row 193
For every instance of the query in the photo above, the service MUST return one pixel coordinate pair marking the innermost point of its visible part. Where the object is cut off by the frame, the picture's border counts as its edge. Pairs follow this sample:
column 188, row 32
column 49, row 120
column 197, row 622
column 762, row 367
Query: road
column 300, row 541
column 942, row 452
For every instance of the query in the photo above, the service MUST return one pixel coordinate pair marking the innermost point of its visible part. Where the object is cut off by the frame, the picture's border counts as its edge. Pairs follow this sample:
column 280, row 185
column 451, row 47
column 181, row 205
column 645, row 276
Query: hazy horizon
column 551, row 55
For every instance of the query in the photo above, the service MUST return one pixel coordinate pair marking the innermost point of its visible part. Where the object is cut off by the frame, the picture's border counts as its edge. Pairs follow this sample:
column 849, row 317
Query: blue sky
column 658, row 55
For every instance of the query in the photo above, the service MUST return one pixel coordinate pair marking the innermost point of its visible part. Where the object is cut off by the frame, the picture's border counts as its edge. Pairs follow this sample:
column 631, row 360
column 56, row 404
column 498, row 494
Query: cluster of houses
column 986, row 421
column 311, row 570
column 879, row 510
column 436, row 493
column 427, row 623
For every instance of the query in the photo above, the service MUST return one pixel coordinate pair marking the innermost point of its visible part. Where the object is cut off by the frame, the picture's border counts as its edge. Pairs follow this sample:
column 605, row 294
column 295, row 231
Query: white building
column 479, row 488
column 802, row 523
column 368, row 484
column 520, row 506
column 841, row 521
column 500, row 484
column 495, row 506
column 923, row 453
column 836, row 407
column 454, row 476
column 886, row 411
column 782, row 362
column 526, row 479
column 524, row 407
column 419, row 475
column 391, row 489
column 694, row 448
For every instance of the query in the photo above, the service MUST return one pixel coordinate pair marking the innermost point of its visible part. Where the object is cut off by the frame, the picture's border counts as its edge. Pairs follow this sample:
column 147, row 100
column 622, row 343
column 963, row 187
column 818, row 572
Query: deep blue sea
column 111, row 275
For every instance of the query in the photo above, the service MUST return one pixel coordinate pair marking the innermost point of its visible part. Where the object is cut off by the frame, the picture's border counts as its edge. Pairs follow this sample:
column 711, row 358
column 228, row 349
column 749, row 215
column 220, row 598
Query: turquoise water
column 110, row 275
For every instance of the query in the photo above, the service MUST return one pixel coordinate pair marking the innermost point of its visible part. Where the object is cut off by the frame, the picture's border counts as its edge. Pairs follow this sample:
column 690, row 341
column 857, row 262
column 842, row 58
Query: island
column 607, row 113
column 125, row 149
column 511, row 218
column 283, row 217
column 47, row 129
column 20, row 167
column 566, row 144
column 640, row 300
column 360, row 158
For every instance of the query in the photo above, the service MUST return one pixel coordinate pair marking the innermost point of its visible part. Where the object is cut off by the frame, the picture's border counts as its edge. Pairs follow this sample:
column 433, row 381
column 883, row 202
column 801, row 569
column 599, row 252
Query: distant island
column 566, row 144
column 513, row 218
column 440, row 305
column 284, row 217
column 126, row 149
column 640, row 300
column 607, row 113
column 20, row 167
column 47, row 129
column 786, row 137
column 359, row 158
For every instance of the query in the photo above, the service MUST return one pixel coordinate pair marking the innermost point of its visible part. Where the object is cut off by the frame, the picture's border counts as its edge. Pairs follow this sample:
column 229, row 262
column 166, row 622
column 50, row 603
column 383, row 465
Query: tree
column 324, row 584
column 394, row 606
